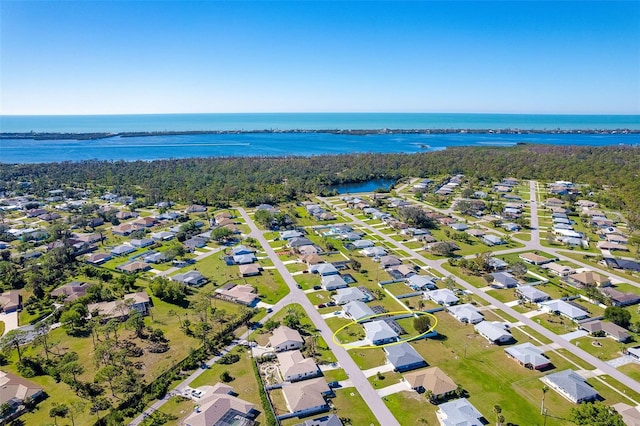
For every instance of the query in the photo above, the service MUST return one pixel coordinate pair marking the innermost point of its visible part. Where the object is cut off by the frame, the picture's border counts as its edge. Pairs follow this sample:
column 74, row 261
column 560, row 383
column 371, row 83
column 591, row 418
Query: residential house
column 459, row 226
column 442, row 296
column 310, row 249
column 431, row 379
column 139, row 301
column 571, row 386
column 362, row 244
column 535, row 259
column 466, row 313
column 122, row 250
column 294, row 367
column 163, row 236
column 532, row 294
column 404, row 357
column 624, row 264
column 497, row 264
column 349, row 294
column 503, row 280
column 306, row 397
column 143, row 242
column 619, row 298
column 191, row 278
column 323, row 269
column 154, row 257
column 559, row 270
column 98, row 258
column 588, row 279
column 630, row 414
column 495, row 332
column 13, row 391
column 242, row 294
column 379, row 333
column 609, row 329
column 421, row 282
column 529, row 356
column 333, row 282
column 402, row 271
column 194, row 243
column 250, row 270
column 389, row 261
column 459, row 412
column 565, row 309
column 71, row 291
column 284, row 338
column 10, row 301
column 374, row 252
column 492, row 240
column 299, row 242
column 195, row 208
column 357, row 310
column 311, row 259
column 241, row 249
column 219, row 407
column 123, row 229
column 244, row 259
column 133, row 267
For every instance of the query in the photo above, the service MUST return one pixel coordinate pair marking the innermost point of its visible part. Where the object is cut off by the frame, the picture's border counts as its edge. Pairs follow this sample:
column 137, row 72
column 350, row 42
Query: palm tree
column 498, row 412
column 545, row 389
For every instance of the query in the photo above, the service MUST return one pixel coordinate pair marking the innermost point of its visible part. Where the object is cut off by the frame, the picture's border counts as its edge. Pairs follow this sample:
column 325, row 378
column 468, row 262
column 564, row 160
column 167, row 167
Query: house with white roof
column 466, row 313
column 442, row 296
column 333, row 282
column 495, row 332
column 459, row 412
column 559, row 270
column 404, row 357
column 503, row 280
column 349, row 294
column 357, row 310
column 284, row 338
column 565, row 309
column 362, row 244
column 379, row 333
column 532, row 294
column 374, row 252
column 323, row 269
column 294, row 367
column 571, row 385
column 306, row 397
column 529, row 356
column 193, row 278
column 421, row 282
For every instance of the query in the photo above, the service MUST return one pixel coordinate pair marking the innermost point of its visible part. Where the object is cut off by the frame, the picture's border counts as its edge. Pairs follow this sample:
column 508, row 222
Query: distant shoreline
column 362, row 132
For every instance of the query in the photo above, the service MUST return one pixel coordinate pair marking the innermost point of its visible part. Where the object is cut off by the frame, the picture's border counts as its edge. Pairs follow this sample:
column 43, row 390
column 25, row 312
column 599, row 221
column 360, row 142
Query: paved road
column 604, row 367
column 356, row 375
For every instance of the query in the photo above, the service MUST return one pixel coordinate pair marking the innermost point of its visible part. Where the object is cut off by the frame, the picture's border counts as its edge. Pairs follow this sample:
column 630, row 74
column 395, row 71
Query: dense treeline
column 218, row 181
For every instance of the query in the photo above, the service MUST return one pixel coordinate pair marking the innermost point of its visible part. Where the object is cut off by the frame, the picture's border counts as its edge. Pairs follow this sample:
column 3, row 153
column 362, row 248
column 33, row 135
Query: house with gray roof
column 571, row 385
column 529, row 356
column 379, row 333
column 459, row 412
column 154, row 257
column 492, row 240
column 442, row 296
column 404, row 357
column 565, row 309
column 532, row 294
column 388, row 261
column 333, row 282
column 299, row 242
column 374, row 252
column 142, row 242
column 163, row 236
column 192, row 278
column 494, row 331
column 244, row 259
column 289, row 234
column 503, row 280
column 357, row 310
column 241, row 249
column 609, row 329
column 349, row 294
column 421, row 282
column 328, row 420
column 323, row 269
column 122, row 250
column 361, row 244
column 466, row 313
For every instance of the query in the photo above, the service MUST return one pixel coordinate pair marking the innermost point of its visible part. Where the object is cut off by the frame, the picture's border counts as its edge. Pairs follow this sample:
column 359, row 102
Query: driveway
column 10, row 321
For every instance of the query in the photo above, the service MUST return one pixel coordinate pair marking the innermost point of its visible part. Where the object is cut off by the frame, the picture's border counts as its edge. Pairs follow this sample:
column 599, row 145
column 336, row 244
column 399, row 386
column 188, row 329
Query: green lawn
column 411, row 408
column 270, row 285
column 349, row 404
column 368, row 358
column 632, row 370
column 602, row 348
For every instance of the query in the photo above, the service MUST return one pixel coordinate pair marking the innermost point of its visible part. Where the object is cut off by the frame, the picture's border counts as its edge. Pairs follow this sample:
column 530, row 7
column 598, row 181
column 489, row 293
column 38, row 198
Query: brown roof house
column 588, row 279
column 306, row 397
column 294, row 367
column 609, row 329
column 10, row 301
column 284, row 339
column 220, row 407
column 140, row 302
column 71, row 291
column 431, row 379
column 242, row 294
column 13, row 391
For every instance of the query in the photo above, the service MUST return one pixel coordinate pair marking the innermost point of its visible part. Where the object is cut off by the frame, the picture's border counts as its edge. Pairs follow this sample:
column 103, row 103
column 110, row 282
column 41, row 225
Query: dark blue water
column 368, row 186
column 272, row 144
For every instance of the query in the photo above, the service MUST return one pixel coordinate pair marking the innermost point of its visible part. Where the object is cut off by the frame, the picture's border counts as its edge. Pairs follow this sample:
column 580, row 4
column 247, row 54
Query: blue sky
column 109, row 57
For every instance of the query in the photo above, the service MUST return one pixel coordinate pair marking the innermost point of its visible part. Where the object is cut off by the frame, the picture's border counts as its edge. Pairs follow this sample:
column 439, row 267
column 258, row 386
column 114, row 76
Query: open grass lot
column 244, row 382
column 611, row 396
column 296, row 267
column 388, row 378
column 270, row 285
column 368, row 358
column 335, row 375
column 537, row 336
column 398, row 288
column 503, row 295
column 411, row 408
column 307, row 281
column 349, row 404
column 582, row 364
column 632, row 370
column 555, row 323
column 602, row 348
column 515, row 389
column 471, row 279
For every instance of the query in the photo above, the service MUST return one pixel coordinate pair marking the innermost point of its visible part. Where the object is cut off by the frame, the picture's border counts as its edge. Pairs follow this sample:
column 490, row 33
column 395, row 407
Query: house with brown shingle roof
column 432, row 379
column 588, row 279
column 284, row 338
column 14, row 390
column 610, row 329
column 10, row 301
column 71, row 291
column 220, row 407
column 295, row 367
column 306, row 397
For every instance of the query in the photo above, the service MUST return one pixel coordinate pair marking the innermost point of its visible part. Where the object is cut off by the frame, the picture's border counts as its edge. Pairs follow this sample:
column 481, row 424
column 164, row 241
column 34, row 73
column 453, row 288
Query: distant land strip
column 363, row 132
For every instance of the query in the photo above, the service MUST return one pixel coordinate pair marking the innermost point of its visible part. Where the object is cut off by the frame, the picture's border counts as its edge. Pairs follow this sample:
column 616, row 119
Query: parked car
column 196, row 393
column 322, row 305
column 317, row 287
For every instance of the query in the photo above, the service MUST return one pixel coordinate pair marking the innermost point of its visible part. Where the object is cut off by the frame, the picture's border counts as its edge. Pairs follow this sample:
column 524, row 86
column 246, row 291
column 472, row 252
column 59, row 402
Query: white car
column 196, row 393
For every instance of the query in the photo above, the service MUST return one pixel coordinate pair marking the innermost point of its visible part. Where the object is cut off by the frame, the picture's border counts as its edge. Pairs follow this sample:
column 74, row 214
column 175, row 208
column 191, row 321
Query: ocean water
column 289, row 121
column 284, row 144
